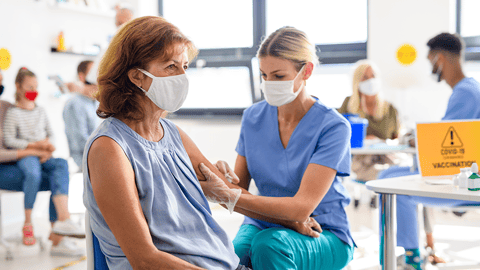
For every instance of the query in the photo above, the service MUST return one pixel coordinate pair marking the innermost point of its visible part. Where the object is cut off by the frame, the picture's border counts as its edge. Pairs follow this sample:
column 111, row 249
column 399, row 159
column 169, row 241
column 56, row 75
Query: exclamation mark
column 451, row 136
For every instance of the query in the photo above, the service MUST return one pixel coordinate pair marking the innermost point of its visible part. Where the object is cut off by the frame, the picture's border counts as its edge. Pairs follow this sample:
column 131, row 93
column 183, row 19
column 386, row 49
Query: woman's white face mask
column 168, row 93
column 369, row 87
column 278, row 93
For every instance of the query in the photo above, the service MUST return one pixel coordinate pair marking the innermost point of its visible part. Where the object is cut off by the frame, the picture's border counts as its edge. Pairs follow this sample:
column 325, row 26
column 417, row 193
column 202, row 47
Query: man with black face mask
column 446, row 56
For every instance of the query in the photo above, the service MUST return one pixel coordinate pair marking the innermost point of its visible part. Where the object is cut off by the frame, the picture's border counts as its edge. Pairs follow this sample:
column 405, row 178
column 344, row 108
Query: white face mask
column 168, row 93
column 436, row 76
column 369, row 87
column 278, row 93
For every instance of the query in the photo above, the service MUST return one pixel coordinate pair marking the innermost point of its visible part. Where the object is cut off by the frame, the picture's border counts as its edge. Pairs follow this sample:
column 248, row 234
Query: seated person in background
column 383, row 123
column 30, row 169
column 80, row 116
column 445, row 55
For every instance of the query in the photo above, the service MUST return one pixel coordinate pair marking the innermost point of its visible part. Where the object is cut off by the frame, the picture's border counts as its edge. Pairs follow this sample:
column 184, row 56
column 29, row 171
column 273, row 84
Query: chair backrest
column 95, row 258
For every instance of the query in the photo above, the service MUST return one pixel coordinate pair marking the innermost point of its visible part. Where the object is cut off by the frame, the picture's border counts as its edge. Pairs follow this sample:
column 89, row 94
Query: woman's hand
column 223, row 167
column 309, row 227
column 217, row 191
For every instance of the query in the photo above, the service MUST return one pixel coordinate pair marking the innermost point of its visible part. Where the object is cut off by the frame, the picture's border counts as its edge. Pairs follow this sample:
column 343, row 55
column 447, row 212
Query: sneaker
column 67, row 247
column 68, row 228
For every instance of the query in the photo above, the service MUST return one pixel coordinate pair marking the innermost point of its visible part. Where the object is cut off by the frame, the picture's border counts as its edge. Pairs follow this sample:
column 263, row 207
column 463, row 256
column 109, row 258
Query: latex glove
column 223, row 167
column 217, row 191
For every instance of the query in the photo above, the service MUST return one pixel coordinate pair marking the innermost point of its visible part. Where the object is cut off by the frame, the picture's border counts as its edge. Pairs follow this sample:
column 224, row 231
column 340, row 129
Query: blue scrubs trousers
column 30, row 176
column 407, row 221
column 285, row 249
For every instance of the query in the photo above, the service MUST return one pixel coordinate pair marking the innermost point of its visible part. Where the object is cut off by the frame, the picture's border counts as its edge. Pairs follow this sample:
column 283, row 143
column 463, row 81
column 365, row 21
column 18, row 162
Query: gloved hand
column 223, row 167
column 217, row 191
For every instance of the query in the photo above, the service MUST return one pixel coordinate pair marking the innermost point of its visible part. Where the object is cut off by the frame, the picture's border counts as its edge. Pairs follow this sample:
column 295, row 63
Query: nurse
column 295, row 148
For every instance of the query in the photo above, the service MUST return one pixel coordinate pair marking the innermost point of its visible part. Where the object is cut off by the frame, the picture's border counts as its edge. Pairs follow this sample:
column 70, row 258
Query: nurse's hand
column 223, row 167
column 217, row 191
column 309, row 227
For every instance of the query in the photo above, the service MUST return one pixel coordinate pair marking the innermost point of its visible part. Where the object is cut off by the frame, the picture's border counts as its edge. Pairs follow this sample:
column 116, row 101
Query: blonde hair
column 354, row 105
column 291, row 44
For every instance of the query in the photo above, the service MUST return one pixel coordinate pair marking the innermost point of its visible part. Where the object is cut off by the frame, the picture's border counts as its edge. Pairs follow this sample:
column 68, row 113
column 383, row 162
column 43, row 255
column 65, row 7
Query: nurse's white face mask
column 168, row 93
column 369, row 87
column 278, row 93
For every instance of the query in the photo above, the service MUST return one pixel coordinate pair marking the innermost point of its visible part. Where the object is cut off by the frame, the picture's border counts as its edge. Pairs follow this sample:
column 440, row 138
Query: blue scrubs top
column 464, row 103
column 172, row 200
column 321, row 137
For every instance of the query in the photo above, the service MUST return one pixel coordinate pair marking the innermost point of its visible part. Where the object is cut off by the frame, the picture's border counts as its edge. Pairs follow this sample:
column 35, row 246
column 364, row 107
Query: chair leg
column 8, row 247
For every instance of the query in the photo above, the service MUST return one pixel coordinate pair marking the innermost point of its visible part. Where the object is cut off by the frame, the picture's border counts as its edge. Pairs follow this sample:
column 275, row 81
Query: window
column 325, row 22
column 213, row 24
column 228, row 34
column 467, row 25
column 221, row 87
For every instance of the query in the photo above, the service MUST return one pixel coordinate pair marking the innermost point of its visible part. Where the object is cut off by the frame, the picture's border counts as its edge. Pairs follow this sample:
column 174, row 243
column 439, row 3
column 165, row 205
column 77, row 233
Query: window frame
column 472, row 44
column 235, row 57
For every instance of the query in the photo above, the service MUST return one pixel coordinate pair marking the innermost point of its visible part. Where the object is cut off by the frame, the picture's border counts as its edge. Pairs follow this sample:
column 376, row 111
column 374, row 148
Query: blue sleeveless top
column 176, row 210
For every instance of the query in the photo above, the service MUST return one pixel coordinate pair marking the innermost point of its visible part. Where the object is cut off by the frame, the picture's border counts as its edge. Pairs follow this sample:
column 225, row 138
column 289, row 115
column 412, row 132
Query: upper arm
column 316, row 182
column 113, row 184
column 461, row 105
column 196, row 157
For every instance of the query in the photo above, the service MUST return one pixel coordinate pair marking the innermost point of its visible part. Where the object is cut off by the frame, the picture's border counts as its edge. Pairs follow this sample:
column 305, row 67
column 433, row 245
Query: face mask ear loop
column 439, row 71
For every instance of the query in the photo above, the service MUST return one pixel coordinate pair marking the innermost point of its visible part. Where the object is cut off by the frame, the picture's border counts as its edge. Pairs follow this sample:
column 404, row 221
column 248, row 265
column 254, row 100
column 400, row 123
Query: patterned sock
column 412, row 257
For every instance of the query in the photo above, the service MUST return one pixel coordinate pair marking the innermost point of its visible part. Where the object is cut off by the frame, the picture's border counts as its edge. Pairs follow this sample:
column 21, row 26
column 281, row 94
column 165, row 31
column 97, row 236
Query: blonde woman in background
column 366, row 101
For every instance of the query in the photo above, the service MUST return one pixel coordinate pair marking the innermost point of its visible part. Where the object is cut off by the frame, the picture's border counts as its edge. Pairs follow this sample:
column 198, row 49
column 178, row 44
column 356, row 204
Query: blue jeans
column 30, row 176
column 407, row 223
column 285, row 249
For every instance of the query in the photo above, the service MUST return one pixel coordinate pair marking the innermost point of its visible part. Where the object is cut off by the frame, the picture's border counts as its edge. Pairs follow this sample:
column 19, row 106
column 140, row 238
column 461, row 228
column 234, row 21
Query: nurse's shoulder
column 257, row 112
column 330, row 117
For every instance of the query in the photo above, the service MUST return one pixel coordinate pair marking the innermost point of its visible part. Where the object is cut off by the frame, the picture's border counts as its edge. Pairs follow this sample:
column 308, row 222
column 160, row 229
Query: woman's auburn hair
column 135, row 45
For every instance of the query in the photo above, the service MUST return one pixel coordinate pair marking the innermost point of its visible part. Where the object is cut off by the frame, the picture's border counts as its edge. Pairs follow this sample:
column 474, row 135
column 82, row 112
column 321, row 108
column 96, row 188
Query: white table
column 382, row 150
column 413, row 185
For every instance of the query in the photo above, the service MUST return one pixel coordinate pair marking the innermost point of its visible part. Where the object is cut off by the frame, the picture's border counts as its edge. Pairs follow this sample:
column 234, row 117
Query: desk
column 413, row 185
column 382, row 149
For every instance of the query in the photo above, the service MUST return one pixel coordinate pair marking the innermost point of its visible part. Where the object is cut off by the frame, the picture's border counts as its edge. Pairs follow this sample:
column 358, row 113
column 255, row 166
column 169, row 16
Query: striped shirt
column 22, row 127
column 6, row 155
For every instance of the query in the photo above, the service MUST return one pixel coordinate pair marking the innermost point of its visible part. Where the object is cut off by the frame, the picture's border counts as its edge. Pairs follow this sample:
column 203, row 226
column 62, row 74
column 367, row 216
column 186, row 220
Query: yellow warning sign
column 452, row 139
column 445, row 147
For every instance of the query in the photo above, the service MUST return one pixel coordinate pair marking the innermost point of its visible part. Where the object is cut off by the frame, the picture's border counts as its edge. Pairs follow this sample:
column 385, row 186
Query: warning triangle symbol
column 452, row 139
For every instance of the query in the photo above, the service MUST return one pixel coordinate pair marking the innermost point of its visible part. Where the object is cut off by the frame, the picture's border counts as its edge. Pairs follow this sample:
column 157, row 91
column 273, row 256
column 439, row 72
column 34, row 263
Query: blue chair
column 95, row 258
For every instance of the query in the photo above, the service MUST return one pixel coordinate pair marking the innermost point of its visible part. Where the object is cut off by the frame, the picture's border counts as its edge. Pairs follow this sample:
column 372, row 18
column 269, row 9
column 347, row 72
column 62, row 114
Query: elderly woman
column 141, row 172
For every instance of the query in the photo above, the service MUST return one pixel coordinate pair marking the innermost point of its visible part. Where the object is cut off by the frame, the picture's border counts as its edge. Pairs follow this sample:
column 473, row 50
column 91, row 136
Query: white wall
column 409, row 88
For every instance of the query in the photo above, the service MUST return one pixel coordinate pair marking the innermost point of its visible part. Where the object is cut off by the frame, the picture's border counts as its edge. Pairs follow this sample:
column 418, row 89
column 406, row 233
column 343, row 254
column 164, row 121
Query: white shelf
column 69, row 7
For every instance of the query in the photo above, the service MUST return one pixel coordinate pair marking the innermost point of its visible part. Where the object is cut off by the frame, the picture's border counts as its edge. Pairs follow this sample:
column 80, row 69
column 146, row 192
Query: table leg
column 389, row 228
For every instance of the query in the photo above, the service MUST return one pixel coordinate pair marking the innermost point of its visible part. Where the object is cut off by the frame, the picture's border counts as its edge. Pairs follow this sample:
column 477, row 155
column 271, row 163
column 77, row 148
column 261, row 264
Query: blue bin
column 359, row 129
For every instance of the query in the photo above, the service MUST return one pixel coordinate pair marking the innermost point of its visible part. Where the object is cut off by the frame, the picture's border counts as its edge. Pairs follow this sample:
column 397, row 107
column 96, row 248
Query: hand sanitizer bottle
column 474, row 178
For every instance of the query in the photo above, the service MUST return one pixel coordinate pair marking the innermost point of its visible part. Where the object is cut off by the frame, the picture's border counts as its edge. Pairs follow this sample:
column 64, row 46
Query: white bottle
column 456, row 182
column 463, row 178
